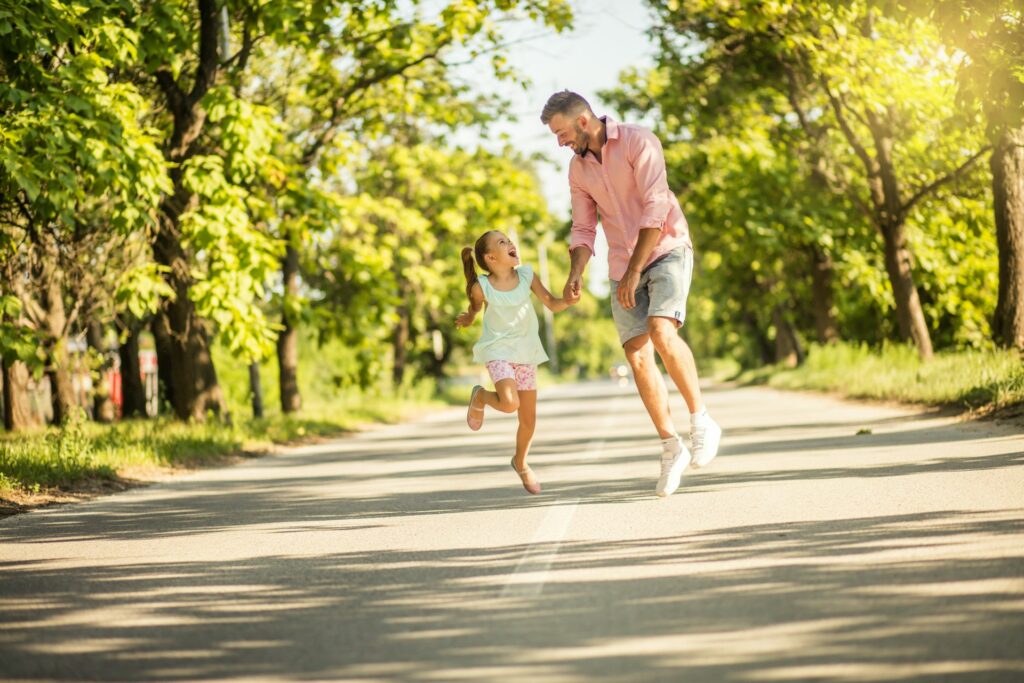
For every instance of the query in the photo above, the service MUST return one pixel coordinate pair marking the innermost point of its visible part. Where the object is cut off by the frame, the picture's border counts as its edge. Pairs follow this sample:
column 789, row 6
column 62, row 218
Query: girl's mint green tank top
column 511, row 332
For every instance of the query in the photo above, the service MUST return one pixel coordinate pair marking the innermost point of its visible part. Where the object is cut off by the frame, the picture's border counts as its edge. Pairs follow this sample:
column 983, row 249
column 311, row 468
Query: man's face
column 570, row 133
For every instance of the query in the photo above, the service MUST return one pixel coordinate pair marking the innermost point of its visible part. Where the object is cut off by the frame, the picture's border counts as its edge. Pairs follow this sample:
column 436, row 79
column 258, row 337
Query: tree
column 390, row 276
column 75, row 159
column 992, row 34
column 378, row 67
column 213, row 258
column 870, row 94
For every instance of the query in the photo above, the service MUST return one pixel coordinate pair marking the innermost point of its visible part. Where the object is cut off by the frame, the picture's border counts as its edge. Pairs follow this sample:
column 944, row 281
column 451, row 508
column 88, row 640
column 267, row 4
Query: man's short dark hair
column 566, row 103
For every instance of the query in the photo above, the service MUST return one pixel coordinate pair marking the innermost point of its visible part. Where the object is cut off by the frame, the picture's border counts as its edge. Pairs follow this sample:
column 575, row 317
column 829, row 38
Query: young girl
column 510, row 344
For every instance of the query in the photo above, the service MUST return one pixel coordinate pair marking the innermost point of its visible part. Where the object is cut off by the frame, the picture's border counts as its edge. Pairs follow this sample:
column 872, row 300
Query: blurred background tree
column 277, row 192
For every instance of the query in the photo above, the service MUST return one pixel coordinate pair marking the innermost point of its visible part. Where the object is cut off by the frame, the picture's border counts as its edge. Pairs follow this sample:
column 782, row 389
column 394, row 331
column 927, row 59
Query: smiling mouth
column 513, row 253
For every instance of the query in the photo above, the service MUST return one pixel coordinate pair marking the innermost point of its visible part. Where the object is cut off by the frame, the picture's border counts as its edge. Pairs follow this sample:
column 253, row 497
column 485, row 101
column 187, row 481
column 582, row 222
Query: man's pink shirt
column 629, row 191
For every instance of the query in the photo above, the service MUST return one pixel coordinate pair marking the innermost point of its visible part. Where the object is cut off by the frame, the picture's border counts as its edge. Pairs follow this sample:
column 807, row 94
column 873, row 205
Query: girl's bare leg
column 527, row 425
column 524, row 437
column 504, row 397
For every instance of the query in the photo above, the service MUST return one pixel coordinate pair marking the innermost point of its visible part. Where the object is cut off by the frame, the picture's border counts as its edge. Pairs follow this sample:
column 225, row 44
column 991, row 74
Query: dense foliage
column 830, row 163
column 231, row 174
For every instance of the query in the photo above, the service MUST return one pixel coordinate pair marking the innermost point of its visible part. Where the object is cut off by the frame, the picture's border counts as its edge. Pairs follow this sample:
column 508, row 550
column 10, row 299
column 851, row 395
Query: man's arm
column 581, row 237
column 579, row 257
column 645, row 243
column 648, row 161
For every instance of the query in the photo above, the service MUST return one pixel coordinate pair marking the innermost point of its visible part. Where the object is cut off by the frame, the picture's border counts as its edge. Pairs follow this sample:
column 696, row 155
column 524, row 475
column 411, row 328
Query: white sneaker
column 705, row 435
column 674, row 459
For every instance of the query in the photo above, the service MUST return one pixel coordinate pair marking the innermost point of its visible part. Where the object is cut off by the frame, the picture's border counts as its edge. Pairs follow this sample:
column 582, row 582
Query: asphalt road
column 829, row 541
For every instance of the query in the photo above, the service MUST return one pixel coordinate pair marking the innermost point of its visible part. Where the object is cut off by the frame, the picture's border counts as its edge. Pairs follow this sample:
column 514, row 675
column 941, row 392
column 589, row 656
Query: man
column 618, row 172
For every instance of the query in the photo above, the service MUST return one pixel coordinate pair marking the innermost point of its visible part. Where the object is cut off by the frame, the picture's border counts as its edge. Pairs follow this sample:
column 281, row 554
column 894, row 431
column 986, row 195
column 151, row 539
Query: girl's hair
column 478, row 250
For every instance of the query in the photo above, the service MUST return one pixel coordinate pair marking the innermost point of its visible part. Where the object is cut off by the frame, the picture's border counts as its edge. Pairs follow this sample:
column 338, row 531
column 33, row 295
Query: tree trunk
column 17, row 415
column 434, row 364
column 162, row 342
column 183, row 352
column 890, row 217
column 909, row 313
column 288, row 339
column 821, row 293
column 1007, row 165
column 256, row 390
column 183, row 348
column 133, row 393
column 58, row 370
column 761, row 341
column 103, row 405
column 788, row 349
column 400, row 342
column 62, row 392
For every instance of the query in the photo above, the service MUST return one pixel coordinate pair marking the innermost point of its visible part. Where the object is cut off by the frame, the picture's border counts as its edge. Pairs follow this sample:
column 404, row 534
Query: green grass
column 81, row 451
column 974, row 380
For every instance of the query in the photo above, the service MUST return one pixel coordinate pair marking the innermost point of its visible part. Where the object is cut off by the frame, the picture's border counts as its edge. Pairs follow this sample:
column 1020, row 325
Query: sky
column 608, row 37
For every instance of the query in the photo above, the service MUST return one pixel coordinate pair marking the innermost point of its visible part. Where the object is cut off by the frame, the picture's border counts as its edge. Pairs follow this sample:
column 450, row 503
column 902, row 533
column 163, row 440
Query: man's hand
column 465, row 319
column 573, row 289
column 626, row 293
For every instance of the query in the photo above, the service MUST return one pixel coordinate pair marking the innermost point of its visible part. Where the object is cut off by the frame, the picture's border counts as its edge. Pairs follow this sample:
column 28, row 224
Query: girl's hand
column 548, row 299
column 465, row 319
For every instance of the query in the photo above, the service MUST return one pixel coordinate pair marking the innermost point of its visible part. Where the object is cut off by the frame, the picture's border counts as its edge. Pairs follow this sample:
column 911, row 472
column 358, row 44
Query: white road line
column 529, row 576
column 531, row 573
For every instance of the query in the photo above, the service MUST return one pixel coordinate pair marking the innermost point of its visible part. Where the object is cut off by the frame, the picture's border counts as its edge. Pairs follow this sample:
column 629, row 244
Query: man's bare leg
column 678, row 359
column 705, row 434
column 640, row 356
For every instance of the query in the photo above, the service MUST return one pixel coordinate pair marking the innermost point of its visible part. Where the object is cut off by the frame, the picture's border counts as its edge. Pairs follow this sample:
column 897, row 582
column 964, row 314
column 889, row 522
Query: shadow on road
column 229, row 503
column 848, row 612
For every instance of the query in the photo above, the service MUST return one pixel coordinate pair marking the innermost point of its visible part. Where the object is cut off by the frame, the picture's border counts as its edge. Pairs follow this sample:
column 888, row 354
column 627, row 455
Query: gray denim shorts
column 662, row 292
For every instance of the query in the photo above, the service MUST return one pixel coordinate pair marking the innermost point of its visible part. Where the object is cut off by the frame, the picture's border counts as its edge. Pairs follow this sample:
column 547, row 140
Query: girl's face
column 501, row 252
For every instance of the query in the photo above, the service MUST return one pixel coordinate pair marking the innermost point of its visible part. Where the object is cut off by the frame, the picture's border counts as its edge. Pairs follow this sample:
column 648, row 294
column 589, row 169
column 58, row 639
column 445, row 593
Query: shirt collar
column 611, row 128
column 611, row 132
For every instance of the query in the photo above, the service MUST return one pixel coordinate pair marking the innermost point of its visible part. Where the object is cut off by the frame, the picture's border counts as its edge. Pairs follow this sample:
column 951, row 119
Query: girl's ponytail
column 470, row 271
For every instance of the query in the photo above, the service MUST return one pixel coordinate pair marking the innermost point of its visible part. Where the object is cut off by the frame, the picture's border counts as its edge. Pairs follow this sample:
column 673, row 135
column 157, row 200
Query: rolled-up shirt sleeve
column 651, row 180
column 584, row 216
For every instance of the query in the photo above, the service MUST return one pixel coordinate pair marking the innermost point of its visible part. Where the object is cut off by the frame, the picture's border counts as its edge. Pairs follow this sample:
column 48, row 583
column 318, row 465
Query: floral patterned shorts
column 524, row 375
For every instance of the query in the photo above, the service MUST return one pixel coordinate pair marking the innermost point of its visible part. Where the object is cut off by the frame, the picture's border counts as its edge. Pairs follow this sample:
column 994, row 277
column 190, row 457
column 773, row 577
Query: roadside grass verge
column 80, row 454
column 81, row 458
column 979, row 381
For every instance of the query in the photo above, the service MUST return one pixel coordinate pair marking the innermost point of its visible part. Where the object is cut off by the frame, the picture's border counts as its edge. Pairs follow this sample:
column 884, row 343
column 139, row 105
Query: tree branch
column 375, row 36
column 174, row 94
column 952, row 175
column 206, row 72
column 814, row 132
column 848, row 132
column 241, row 58
column 311, row 152
column 820, row 166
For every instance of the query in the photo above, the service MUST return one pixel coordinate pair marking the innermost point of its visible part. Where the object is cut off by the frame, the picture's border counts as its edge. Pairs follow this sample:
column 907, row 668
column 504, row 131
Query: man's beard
column 582, row 141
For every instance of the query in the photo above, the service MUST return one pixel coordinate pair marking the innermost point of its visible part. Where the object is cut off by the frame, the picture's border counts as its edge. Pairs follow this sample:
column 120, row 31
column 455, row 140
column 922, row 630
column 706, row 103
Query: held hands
column 573, row 289
column 626, row 292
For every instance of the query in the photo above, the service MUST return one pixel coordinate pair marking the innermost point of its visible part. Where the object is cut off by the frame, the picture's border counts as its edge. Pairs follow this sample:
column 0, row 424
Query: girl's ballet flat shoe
column 530, row 482
column 475, row 416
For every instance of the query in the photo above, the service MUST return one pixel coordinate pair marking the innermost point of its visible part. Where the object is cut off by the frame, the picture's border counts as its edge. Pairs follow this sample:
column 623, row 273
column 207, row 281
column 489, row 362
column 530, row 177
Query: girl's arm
column 476, row 302
column 546, row 297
